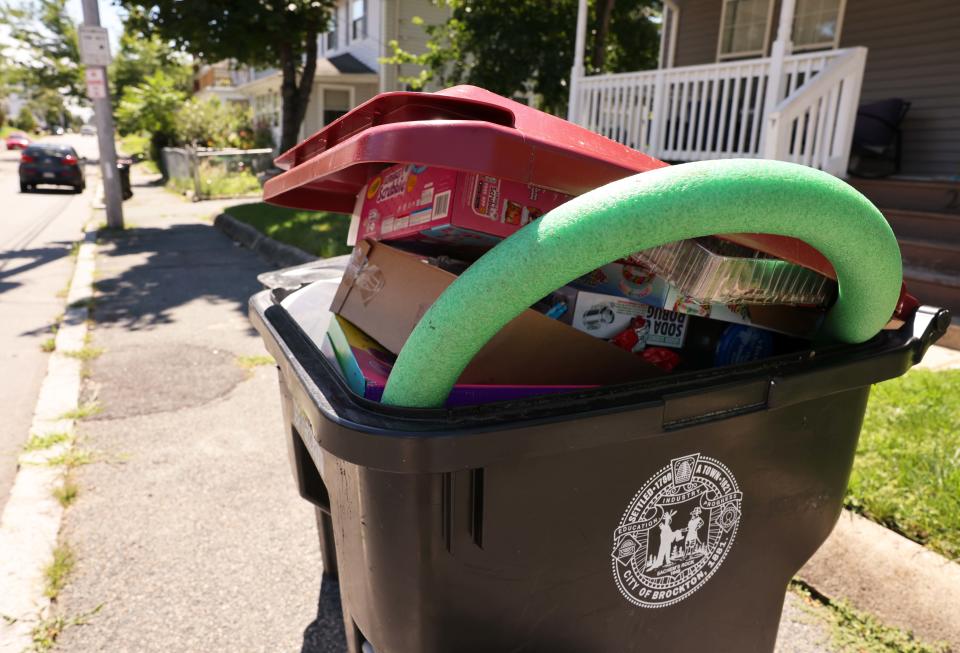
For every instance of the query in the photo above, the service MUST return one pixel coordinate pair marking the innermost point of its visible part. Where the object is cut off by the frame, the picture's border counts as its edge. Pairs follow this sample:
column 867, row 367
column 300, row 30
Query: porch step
column 938, row 196
column 942, row 257
column 933, row 288
column 924, row 225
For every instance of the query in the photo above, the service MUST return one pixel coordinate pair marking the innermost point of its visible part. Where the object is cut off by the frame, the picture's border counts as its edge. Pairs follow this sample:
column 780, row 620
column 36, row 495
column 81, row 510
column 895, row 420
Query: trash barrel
column 123, row 167
column 660, row 515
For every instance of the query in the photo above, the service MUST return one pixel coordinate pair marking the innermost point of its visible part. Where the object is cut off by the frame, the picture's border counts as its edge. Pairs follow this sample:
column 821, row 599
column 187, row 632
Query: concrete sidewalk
column 188, row 530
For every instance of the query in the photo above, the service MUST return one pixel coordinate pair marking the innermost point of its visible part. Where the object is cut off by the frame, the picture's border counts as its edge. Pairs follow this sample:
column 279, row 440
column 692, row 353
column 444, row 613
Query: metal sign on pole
column 96, row 84
column 95, row 54
column 94, row 45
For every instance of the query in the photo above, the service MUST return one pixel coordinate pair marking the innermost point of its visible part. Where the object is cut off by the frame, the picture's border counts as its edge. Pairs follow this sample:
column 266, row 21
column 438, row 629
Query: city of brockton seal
column 676, row 531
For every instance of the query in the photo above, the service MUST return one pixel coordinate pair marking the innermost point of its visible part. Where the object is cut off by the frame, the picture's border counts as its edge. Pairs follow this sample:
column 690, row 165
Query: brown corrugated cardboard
column 385, row 292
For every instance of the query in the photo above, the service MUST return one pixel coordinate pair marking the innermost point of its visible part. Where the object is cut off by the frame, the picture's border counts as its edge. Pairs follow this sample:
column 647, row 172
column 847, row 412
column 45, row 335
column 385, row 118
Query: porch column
column 782, row 46
column 576, row 72
column 668, row 34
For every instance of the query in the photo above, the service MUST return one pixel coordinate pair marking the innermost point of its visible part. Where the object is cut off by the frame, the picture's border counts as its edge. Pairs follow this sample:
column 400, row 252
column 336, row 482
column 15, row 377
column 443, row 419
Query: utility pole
column 95, row 54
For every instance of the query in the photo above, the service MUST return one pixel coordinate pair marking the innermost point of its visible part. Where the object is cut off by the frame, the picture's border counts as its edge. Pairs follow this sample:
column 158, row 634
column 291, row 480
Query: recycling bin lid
column 462, row 128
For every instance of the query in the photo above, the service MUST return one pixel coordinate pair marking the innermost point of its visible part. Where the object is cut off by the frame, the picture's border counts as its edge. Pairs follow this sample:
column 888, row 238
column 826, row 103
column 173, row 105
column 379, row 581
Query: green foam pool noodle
column 643, row 211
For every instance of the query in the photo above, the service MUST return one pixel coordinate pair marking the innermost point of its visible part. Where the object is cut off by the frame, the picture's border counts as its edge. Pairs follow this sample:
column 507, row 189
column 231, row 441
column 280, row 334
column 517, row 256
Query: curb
column 98, row 197
column 31, row 518
column 272, row 251
column 951, row 339
column 882, row 573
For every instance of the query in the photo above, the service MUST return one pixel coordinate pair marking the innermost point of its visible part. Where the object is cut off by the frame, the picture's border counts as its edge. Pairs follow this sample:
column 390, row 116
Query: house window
column 335, row 104
column 358, row 19
column 816, row 24
column 744, row 28
column 332, row 33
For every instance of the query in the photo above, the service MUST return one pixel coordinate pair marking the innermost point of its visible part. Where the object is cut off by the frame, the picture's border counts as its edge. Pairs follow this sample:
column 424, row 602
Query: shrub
column 26, row 121
column 210, row 123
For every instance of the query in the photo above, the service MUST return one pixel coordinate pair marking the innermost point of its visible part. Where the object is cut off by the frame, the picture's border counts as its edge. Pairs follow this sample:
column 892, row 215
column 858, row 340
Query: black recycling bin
column 123, row 167
column 664, row 515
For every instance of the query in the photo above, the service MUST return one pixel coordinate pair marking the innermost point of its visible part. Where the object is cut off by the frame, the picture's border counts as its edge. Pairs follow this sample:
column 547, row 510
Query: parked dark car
column 46, row 163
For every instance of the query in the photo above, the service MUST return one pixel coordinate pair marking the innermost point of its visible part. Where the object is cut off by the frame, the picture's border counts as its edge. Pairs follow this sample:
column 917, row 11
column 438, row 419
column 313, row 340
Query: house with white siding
column 220, row 80
column 348, row 68
column 868, row 90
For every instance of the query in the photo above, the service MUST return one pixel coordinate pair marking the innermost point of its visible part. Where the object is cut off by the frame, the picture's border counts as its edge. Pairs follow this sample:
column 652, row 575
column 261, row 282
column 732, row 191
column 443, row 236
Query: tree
column 263, row 33
column 48, row 104
column 26, row 121
column 513, row 47
column 45, row 46
column 141, row 56
column 151, row 107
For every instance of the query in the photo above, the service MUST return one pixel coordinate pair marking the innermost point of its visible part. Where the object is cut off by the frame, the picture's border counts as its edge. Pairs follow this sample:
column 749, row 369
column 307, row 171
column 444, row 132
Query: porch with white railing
column 729, row 109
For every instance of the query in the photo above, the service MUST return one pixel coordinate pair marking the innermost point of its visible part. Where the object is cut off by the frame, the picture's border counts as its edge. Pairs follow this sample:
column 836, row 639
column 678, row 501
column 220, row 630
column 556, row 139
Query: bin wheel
column 653, row 208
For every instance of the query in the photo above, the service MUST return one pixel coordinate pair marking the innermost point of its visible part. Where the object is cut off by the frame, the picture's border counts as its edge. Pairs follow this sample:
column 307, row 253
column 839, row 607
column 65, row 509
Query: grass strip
column 320, row 233
column 854, row 631
column 907, row 470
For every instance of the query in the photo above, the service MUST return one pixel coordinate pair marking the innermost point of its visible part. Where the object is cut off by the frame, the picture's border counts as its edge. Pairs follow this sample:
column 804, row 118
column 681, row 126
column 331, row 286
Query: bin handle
column 647, row 210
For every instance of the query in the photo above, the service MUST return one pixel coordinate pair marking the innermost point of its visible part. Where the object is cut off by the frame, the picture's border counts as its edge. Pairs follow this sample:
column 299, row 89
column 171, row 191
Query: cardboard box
column 638, row 284
column 366, row 366
column 385, row 292
column 441, row 205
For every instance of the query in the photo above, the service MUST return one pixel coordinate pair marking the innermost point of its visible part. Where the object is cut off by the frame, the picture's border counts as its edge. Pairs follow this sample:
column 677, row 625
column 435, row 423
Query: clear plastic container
column 714, row 270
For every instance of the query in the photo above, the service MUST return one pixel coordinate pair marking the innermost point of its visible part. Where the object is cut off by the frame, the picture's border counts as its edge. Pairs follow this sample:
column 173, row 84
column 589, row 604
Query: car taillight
column 70, row 160
column 26, row 158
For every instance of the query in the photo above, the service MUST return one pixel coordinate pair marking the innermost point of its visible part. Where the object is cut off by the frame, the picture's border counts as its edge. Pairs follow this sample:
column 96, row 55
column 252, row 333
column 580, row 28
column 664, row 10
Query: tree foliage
column 141, row 56
column 212, row 123
column 25, row 120
column 513, row 47
column 48, row 104
column 45, row 46
column 264, row 33
column 151, row 107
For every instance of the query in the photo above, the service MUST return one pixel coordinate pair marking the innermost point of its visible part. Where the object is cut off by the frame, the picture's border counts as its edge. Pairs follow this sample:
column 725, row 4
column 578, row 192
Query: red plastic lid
column 462, row 128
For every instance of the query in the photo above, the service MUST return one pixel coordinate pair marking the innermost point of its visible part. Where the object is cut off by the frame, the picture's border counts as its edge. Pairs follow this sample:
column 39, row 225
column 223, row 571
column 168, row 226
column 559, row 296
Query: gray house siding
column 914, row 54
column 399, row 17
column 697, row 32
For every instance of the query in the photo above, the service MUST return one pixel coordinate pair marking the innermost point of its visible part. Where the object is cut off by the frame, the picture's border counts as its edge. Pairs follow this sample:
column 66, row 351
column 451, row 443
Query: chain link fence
column 210, row 174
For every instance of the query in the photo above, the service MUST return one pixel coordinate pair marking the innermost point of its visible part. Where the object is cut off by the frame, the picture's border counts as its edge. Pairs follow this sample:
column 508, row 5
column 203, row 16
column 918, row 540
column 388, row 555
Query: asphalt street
column 36, row 233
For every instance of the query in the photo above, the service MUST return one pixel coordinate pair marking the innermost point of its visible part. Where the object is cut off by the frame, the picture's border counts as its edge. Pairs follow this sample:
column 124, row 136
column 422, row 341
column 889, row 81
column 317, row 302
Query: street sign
column 96, row 84
column 94, row 46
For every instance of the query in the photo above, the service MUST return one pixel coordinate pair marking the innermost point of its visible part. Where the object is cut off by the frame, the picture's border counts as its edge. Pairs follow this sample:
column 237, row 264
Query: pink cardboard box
column 438, row 204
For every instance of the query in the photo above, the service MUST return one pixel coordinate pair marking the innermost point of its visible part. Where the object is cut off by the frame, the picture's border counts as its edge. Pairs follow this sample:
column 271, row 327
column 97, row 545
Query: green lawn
column 320, row 233
column 132, row 144
column 907, row 473
column 6, row 130
column 217, row 181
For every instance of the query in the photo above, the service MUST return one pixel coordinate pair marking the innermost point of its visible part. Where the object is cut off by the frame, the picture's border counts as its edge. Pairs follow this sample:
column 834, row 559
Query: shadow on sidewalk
column 325, row 633
column 28, row 259
column 148, row 272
